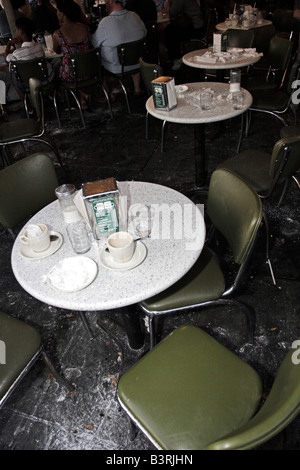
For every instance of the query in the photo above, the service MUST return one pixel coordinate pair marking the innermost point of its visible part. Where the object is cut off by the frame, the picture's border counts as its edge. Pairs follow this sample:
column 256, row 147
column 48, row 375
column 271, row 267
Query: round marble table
column 222, row 60
column 226, row 25
column 188, row 111
column 176, row 241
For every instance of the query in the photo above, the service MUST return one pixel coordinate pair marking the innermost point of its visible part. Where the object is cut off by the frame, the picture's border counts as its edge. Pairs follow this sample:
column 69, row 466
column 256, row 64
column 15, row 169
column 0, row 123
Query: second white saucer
column 139, row 255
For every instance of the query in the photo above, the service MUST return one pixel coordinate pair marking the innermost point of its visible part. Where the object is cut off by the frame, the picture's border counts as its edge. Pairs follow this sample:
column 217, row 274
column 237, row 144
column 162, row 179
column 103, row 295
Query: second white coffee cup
column 39, row 241
column 121, row 246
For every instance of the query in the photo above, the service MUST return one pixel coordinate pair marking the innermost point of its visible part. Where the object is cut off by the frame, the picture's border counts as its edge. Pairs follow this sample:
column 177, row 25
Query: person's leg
column 136, row 78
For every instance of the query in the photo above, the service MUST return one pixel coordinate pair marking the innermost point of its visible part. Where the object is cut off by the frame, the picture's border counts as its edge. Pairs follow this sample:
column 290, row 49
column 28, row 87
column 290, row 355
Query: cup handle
column 23, row 240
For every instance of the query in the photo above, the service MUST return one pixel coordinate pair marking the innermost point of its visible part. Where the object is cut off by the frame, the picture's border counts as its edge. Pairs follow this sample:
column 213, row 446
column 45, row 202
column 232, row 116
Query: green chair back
column 281, row 407
column 279, row 53
column 25, row 69
column 86, row 67
column 149, row 72
column 237, row 214
column 283, row 169
column 26, row 187
column 22, row 344
column 240, row 38
column 129, row 53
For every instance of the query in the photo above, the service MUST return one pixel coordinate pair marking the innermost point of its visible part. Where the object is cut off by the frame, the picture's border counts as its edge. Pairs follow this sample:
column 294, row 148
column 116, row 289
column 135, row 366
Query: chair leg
column 126, row 96
column 108, row 101
column 268, row 261
column 132, row 430
column 147, row 126
column 152, row 330
column 79, row 107
column 241, row 134
column 283, row 192
column 162, row 144
column 56, row 108
column 54, row 372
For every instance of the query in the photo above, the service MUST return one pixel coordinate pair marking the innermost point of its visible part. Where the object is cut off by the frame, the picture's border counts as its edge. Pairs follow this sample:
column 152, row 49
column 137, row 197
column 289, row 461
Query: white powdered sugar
column 73, row 273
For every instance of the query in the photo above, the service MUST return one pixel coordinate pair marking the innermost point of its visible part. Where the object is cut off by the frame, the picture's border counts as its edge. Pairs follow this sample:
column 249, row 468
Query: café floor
column 40, row 414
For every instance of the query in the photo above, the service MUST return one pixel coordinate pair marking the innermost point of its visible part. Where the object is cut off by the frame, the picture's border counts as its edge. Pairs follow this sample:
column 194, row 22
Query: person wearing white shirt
column 120, row 26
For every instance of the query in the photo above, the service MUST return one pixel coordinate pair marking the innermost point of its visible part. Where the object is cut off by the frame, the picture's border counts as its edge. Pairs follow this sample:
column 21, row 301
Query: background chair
column 276, row 102
column 36, row 180
column 129, row 54
column 240, row 38
column 264, row 171
column 33, row 129
column 87, row 73
column 200, row 42
column 36, row 68
column 270, row 72
column 235, row 211
column 192, row 393
column 22, row 347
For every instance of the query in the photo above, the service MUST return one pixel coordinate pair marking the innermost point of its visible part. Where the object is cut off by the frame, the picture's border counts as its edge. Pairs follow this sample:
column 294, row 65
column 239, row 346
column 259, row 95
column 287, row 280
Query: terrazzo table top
column 233, row 58
column 226, row 25
column 176, row 240
column 188, row 110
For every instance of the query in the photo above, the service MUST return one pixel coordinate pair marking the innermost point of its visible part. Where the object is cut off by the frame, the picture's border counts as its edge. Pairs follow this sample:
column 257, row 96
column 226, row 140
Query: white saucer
column 235, row 49
column 73, row 274
column 181, row 88
column 27, row 252
column 139, row 255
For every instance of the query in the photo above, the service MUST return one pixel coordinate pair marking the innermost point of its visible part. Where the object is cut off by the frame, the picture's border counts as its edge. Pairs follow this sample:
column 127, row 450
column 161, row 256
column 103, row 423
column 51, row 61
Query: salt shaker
column 65, row 194
column 235, row 80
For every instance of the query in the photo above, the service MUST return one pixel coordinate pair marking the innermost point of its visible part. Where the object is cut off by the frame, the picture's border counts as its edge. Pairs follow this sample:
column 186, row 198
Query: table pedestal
column 200, row 161
column 132, row 326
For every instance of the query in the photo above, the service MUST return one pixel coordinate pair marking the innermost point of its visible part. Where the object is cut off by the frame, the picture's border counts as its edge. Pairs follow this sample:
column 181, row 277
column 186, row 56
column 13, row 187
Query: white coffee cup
column 38, row 240
column 121, row 246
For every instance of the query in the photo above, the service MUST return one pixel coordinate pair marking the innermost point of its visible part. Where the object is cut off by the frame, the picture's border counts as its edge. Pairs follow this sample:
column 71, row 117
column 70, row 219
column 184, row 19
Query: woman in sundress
column 73, row 36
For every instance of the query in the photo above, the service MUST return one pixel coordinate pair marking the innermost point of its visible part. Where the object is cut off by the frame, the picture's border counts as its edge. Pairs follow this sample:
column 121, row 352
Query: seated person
column 186, row 23
column 120, row 26
column 73, row 36
column 28, row 50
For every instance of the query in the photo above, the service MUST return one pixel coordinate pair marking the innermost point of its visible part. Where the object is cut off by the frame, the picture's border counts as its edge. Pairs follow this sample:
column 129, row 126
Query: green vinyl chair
column 26, row 187
column 87, row 72
column 192, row 393
column 32, row 129
column 266, row 171
column 234, row 210
column 270, row 73
column 277, row 102
column 129, row 54
column 36, row 68
column 20, row 347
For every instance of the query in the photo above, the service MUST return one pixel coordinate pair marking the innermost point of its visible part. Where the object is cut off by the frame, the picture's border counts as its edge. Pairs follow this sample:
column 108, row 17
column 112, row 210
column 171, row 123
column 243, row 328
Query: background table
column 236, row 60
column 168, row 258
column 188, row 111
column 224, row 25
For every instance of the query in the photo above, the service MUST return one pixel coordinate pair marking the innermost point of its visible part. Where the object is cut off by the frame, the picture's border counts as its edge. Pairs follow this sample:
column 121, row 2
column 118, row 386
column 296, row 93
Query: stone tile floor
column 40, row 415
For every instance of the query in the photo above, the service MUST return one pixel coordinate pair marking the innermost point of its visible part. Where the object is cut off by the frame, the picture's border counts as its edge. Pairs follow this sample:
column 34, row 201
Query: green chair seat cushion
column 19, row 129
column 203, row 282
column 21, row 342
column 253, row 166
column 269, row 100
column 252, row 83
column 189, row 391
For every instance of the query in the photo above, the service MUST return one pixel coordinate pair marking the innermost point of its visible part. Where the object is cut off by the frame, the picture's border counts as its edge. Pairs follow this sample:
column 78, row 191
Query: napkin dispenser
column 101, row 199
column 164, row 93
column 220, row 42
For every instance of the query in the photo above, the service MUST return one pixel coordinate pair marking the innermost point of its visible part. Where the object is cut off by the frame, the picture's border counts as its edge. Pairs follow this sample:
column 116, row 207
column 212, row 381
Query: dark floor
column 40, row 414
